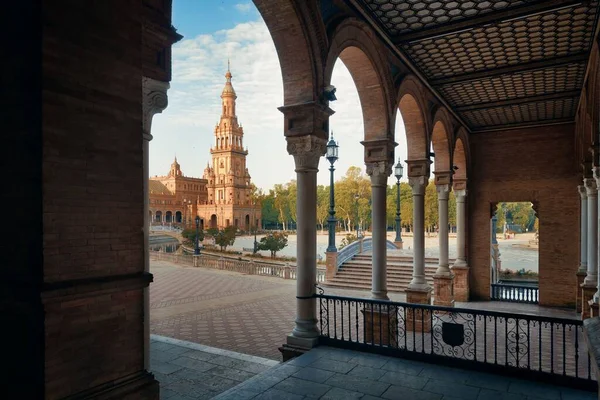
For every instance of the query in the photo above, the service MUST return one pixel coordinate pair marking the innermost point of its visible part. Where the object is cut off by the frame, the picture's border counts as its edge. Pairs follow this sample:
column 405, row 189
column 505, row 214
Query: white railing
column 355, row 248
column 249, row 267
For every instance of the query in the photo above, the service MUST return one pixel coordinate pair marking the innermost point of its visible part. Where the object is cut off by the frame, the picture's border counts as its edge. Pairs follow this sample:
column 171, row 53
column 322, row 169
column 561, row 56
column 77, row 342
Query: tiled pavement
column 328, row 373
column 192, row 371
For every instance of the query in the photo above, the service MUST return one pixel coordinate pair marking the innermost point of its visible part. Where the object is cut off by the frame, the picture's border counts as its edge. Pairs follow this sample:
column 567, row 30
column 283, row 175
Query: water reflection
column 164, row 244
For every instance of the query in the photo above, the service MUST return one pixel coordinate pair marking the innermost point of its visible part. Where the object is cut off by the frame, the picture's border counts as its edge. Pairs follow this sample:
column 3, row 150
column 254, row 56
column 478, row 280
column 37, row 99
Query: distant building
column 223, row 196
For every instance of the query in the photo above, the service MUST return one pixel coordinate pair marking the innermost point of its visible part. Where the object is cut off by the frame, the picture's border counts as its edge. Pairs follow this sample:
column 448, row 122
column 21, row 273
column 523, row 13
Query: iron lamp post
column 332, row 156
column 197, row 248
column 398, row 169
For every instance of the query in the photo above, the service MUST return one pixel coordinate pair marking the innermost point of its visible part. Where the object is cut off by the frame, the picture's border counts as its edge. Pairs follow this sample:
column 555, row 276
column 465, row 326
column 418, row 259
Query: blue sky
column 215, row 30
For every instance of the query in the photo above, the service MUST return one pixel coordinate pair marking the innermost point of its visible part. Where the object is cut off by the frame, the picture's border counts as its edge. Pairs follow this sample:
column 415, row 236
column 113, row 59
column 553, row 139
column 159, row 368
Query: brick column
column 418, row 290
column 590, row 282
column 582, row 271
column 379, row 172
column 330, row 264
column 155, row 100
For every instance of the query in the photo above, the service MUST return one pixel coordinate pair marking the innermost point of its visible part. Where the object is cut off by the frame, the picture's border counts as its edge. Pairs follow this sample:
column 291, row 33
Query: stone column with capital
column 590, row 282
column 155, row 100
column 582, row 270
column 419, row 291
column 460, row 268
column 307, row 151
column 379, row 173
column 442, row 280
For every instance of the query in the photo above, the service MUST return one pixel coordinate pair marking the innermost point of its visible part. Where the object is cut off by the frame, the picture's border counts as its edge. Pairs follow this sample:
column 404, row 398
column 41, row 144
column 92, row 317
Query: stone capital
column 461, row 195
column 582, row 192
column 442, row 178
column 443, row 192
column 306, row 119
column 459, row 184
column 379, row 172
column 378, row 150
column 418, row 168
column 590, row 187
column 418, row 184
column 307, row 151
column 596, row 172
column 155, row 100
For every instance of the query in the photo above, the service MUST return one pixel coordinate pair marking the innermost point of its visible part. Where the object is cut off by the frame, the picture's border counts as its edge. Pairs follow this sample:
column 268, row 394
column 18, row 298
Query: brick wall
column 537, row 165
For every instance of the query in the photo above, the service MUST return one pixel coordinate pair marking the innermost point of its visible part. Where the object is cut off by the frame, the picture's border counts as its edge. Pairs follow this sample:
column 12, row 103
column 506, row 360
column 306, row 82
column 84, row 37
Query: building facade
column 223, row 196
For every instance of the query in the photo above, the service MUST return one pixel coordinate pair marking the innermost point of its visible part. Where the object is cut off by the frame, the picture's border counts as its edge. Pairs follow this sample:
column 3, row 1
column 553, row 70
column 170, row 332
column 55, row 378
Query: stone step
column 365, row 286
column 428, row 260
column 346, row 267
column 359, row 275
column 349, row 279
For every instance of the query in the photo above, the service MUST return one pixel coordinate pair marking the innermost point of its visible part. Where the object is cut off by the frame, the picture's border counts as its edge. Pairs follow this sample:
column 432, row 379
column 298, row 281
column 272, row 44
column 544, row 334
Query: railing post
column 221, row 262
column 286, row 273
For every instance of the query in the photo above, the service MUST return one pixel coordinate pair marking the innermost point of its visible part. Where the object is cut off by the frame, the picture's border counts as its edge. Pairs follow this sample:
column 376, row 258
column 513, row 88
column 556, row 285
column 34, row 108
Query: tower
column 229, row 187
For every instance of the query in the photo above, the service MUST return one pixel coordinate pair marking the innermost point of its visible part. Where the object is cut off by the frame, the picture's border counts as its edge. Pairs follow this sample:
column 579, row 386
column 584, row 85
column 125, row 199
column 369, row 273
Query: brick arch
column 295, row 49
column 460, row 160
column 353, row 42
column 411, row 105
column 441, row 138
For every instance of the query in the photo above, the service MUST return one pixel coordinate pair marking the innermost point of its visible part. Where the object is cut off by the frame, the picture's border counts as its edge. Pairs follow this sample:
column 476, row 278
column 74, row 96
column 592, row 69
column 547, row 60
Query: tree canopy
column 223, row 237
column 273, row 242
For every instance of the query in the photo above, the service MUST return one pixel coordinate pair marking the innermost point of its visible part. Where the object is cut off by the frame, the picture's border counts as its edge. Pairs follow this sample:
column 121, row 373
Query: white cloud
column 187, row 126
column 243, row 7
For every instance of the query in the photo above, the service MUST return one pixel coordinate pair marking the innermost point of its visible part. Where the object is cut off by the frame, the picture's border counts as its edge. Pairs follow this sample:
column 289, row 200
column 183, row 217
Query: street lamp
column 356, row 197
column 398, row 169
column 197, row 248
column 332, row 156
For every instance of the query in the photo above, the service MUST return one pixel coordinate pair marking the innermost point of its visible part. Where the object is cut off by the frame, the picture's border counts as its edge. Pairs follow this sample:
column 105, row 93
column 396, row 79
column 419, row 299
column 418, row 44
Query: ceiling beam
column 520, row 100
column 522, row 125
column 509, row 69
column 488, row 18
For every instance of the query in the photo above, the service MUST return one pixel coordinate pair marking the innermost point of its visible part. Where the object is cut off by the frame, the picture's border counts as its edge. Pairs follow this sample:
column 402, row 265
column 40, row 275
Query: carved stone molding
column 379, row 150
column 155, row 100
column 442, row 178
column 306, row 119
column 417, row 168
column 461, row 195
column 582, row 192
column 590, row 187
column 307, row 151
column 379, row 172
column 459, row 184
column 418, row 184
column 443, row 191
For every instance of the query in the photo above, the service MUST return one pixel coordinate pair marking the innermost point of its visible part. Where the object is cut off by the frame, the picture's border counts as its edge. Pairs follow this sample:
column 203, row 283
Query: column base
column 399, row 245
column 460, row 282
column 381, row 326
column 579, row 278
column 331, row 258
column 587, row 295
column 288, row 351
column 417, row 319
column 594, row 308
column 443, row 294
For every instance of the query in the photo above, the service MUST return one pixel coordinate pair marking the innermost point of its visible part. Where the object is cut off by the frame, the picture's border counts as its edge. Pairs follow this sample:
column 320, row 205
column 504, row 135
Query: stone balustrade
column 249, row 267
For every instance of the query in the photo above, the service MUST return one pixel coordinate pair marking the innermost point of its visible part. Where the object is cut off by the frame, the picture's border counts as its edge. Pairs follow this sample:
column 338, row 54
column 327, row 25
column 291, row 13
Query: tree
column 322, row 205
column 350, row 237
column 190, row 234
column 269, row 212
column 224, row 237
column 273, row 242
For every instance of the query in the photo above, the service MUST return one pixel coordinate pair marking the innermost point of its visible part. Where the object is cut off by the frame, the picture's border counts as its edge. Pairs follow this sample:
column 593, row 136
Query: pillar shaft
column 461, row 258
column 418, row 185
column 307, row 150
column 443, row 268
column 379, row 173
column 583, row 232
column 592, row 233
column 597, row 220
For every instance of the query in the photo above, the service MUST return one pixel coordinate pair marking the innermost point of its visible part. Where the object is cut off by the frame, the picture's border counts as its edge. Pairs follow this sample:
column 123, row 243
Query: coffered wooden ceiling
column 496, row 63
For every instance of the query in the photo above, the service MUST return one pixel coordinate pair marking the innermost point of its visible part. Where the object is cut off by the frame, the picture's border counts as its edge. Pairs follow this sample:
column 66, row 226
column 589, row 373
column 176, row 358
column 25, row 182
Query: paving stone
column 177, row 350
column 402, row 392
column 238, row 394
column 354, row 383
column 261, row 383
column 489, row 381
column 369, row 360
column 305, row 359
column 404, row 366
column 231, row 373
column 367, row 372
column 165, row 367
column 572, row 394
column 341, row 355
column 455, row 389
column 283, row 371
column 166, row 393
column 445, row 373
column 199, row 355
column 341, row 394
column 333, row 365
column 535, row 389
column 275, row 394
column 186, row 388
column 302, row 387
column 400, row 379
column 164, row 379
column 198, row 365
column 313, row 374
column 487, row 394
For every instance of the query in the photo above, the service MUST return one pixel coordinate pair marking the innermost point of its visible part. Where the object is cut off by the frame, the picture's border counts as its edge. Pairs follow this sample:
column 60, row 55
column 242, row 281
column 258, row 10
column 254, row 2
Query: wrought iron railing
column 544, row 348
column 355, row 248
column 515, row 293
